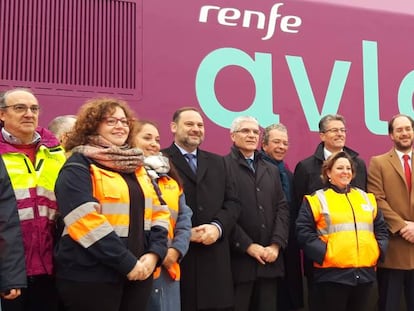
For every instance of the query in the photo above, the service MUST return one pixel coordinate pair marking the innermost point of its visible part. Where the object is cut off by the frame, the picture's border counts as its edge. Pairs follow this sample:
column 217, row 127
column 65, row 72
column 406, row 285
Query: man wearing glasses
column 306, row 178
column 262, row 229
column 32, row 158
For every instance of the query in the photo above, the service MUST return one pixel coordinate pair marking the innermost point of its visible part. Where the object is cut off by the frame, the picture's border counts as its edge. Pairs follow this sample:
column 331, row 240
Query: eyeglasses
column 22, row 108
column 246, row 131
column 112, row 121
column 336, row 130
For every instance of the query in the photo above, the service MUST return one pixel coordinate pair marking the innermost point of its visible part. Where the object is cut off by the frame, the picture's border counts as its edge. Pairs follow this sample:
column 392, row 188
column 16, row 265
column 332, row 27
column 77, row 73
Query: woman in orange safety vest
column 166, row 287
column 115, row 227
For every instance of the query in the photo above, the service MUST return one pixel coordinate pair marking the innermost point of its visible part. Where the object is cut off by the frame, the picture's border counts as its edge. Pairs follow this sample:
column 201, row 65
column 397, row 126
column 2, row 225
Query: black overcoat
column 206, row 280
column 264, row 216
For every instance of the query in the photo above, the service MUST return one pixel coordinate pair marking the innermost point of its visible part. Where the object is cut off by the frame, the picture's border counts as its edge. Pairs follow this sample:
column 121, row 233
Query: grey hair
column 5, row 94
column 235, row 125
column 61, row 125
column 276, row 126
column 328, row 118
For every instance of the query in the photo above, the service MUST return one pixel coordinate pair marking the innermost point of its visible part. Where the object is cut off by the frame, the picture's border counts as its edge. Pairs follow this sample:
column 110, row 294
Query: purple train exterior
column 289, row 62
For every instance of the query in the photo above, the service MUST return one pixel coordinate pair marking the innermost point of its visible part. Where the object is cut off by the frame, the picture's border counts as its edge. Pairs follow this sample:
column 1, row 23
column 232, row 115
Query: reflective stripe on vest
column 333, row 228
column 85, row 225
column 34, row 184
column 345, row 223
column 33, row 187
column 90, row 222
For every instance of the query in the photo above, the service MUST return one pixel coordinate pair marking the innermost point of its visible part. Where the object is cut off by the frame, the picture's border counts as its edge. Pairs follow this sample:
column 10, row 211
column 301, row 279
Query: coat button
column 200, row 208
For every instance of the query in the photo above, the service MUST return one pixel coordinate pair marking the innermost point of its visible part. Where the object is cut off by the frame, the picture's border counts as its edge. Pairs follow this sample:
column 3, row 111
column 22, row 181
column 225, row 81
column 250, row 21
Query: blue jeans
column 165, row 294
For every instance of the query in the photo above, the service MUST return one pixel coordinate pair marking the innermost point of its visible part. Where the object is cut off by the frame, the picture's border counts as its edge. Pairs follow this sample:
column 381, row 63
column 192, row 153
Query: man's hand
column 11, row 294
column 407, row 232
column 206, row 234
column 271, row 253
column 256, row 251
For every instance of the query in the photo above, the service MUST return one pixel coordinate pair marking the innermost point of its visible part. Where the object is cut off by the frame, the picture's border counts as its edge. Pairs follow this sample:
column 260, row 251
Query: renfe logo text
column 233, row 17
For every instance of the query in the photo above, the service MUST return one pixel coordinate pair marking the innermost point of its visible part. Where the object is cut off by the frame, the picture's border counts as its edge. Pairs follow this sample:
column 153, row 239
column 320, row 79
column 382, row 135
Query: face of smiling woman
column 115, row 127
column 340, row 174
column 148, row 139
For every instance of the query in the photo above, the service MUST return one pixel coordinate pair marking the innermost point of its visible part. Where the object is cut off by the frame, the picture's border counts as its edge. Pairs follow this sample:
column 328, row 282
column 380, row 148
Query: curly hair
column 90, row 116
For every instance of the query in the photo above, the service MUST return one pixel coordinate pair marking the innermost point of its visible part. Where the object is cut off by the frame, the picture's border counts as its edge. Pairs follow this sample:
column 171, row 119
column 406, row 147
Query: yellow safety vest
column 345, row 223
column 33, row 187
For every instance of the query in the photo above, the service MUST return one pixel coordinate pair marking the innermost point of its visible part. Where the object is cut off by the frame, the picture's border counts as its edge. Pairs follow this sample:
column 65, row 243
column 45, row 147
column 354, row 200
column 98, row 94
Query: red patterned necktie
column 407, row 171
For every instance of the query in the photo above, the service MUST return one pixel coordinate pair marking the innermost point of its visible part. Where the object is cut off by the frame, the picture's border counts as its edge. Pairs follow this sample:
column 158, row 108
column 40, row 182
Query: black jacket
column 264, row 216
column 12, row 260
column 206, row 280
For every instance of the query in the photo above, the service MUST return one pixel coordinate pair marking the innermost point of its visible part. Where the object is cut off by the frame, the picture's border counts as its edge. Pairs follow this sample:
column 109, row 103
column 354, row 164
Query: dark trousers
column 391, row 284
column 328, row 296
column 88, row 296
column 259, row 295
column 40, row 294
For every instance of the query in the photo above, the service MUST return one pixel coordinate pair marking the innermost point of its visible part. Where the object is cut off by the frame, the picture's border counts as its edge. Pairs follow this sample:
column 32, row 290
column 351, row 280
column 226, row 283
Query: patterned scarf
column 120, row 159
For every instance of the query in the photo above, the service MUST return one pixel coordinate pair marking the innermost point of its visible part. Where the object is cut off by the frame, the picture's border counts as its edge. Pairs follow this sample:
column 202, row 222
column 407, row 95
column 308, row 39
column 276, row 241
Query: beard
column 403, row 147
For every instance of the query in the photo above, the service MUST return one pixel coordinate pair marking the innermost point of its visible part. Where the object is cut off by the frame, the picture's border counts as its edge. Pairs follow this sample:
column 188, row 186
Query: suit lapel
column 396, row 164
column 202, row 164
column 181, row 163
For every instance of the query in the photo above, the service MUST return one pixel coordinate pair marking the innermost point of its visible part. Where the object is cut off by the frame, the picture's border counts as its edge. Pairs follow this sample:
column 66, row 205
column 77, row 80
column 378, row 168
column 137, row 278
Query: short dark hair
column 177, row 113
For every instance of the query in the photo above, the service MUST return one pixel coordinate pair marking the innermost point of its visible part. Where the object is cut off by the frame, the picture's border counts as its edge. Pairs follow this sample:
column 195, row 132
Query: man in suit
column 275, row 144
column 307, row 175
column 206, row 280
column 394, row 193
column 261, row 232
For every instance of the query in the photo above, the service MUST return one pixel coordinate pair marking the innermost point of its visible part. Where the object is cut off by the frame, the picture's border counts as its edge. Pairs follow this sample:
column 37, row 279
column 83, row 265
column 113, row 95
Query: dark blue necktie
column 250, row 163
column 191, row 158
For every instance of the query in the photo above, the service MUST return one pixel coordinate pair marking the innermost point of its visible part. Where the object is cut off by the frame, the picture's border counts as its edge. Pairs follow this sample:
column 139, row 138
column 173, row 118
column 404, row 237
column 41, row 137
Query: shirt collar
column 183, row 151
column 16, row 141
column 400, row 154
column 327, row 153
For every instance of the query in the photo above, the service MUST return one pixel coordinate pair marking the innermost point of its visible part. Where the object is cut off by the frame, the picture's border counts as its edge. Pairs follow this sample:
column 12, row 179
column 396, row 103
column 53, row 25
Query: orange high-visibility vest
column 171, row 192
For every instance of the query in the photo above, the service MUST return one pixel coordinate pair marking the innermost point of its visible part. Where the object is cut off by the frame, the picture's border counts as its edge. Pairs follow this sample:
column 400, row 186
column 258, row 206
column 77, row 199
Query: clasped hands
column 408, row 231
column 206, row 234
column 263, row 254
column 144, row 267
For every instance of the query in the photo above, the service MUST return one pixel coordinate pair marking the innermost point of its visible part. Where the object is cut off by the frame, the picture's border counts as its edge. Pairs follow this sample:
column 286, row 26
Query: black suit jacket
column 206, row 280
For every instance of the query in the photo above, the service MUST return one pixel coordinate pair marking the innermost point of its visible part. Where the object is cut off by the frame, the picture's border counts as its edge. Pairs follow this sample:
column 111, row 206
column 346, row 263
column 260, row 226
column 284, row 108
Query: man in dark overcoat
column 206, row 280
column 261, row 232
